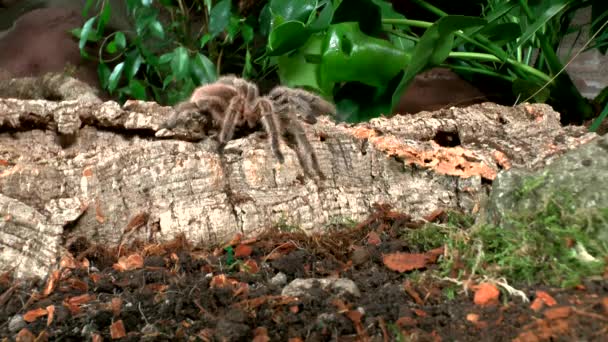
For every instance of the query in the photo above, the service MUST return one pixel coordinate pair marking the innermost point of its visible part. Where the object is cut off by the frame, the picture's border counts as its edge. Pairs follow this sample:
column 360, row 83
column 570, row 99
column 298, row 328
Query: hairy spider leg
column 233, row 115
column 304, row 149
column 316, row 104
column 265, row 109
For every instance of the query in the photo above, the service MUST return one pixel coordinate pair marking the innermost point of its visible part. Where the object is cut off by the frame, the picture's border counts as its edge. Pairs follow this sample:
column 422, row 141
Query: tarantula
column 235, row 102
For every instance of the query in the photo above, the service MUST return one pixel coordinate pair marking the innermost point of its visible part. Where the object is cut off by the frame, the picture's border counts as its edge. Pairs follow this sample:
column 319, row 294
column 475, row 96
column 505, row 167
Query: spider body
column 236, row 103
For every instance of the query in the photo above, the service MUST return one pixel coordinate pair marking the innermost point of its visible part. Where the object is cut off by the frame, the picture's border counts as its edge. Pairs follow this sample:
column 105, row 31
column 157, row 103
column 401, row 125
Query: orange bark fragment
column 557, row 313
column 242, row 251
column 260, row 334
column 473, row 317
column 117, row 330
column 51, row 283
column 132, row 262
column 402, row 262
column 51, row 314
column 605, row 305
column 250, row 266
column 373, row 239
column 33, row 315
column 25, row 335
column 116, row 305
column 486, row 294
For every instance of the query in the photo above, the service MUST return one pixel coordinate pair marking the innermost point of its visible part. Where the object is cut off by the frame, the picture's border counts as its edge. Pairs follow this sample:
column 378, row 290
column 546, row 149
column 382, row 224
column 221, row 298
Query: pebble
column 279, row 279
column 301, row 287
column 16, row 323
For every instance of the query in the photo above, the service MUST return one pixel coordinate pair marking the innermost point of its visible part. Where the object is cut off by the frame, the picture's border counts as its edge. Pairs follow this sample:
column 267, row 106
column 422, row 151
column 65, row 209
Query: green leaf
column 202, row 69
column 265, row 21
column 286, row 37
column 324, row 18
column 357, row 102
column 115, row 76
column 117, row 44
column 103, row 73
column 179, row 63
column 87, row 6
column 166, row 58
column 501, row 33
column 546, row 16
column 295, row 71
column 204, row 40
column 133, row 63
column 219, row 17
column 157, row 29
column 136, row 90
column 120, row 40
column 247, row 32
column 351, row 55
column 292, row 10
column 434, row 47
column 86, row 32
column 248, row 68
column 104, row 17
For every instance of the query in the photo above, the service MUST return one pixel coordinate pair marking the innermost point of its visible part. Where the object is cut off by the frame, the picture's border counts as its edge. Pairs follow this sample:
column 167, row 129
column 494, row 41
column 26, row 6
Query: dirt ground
column 357, row 283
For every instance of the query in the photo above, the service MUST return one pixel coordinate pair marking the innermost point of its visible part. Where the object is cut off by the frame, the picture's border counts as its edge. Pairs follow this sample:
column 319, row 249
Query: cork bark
column 110, row 173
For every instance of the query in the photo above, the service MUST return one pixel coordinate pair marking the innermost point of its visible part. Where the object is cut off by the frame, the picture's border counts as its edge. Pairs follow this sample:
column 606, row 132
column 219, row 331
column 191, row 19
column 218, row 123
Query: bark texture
column 110, row 173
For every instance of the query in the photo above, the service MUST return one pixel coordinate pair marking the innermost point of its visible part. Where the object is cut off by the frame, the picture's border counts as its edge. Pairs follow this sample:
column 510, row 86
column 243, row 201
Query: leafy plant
column 362, row 54
column 175, row 45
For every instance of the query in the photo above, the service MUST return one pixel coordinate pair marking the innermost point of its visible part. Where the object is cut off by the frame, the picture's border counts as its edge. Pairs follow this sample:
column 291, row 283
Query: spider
column 234, row 102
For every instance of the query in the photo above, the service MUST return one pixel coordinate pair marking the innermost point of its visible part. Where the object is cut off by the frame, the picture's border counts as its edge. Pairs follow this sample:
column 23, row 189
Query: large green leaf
column 219, row 17
column 202, row 69
column 286, row 37
column 351, row 55
column 434, row 47
column 296, row 71
column 296, row 10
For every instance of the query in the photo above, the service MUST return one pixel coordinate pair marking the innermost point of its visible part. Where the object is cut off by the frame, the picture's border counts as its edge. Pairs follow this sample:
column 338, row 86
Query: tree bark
column 111, row 174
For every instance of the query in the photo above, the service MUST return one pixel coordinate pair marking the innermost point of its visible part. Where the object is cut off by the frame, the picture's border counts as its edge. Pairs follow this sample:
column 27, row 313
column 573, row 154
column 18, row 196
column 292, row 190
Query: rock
column 16, row 323
column 301, row 287
column 575, row 179
column 279, row 279
column 41, row 42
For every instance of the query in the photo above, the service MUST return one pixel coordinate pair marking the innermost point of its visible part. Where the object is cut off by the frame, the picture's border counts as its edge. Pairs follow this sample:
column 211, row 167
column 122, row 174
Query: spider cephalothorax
column 235, row 102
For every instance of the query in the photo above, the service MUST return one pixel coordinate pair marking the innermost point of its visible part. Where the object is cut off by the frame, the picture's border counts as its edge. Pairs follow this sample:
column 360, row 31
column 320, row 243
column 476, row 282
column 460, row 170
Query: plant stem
column 491, row 58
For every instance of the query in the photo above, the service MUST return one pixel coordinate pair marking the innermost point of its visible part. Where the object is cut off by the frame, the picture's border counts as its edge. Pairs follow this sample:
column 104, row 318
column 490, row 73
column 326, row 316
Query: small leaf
column 104, row 17
column 103, row 73
column 86, row 32
column 133, row 61
column 219, row 17
column 204, row 40
column 157, row 29
column 203, row 69
column 247, row 32
column 115, row 76
column 179, row 63
column 136, row 90
column 120, row 40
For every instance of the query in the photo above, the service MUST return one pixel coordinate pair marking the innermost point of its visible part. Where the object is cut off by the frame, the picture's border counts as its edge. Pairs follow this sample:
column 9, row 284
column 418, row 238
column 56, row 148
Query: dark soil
column 172, row 292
